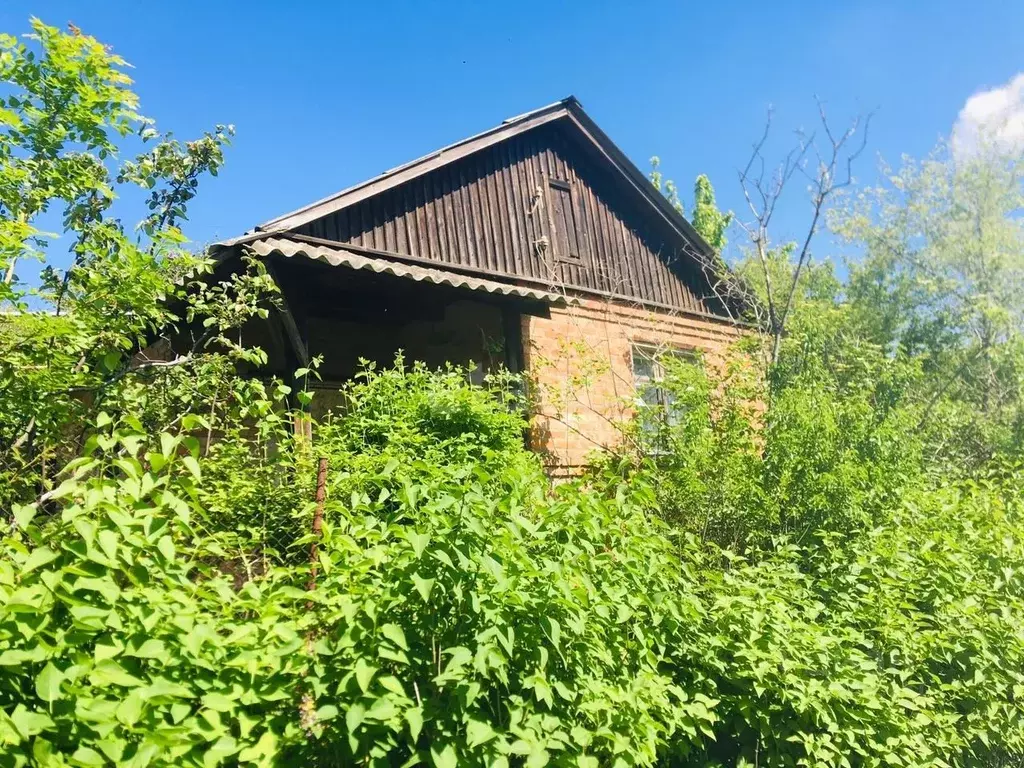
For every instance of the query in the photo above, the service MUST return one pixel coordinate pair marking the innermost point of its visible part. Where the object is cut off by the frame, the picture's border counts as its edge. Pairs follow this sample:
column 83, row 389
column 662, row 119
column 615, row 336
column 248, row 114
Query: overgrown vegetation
column 818, row 562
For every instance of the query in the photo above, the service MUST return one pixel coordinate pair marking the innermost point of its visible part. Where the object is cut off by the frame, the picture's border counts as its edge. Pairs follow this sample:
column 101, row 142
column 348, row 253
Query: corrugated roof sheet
column 341, row 257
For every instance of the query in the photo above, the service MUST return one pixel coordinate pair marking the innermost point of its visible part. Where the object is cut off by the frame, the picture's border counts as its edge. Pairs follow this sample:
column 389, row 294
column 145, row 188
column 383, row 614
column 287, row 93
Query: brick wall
column 580, row 359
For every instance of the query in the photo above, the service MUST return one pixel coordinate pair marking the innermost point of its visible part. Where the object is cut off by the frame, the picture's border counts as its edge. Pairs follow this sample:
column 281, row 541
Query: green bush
column 120, row 644
column 831, row 451
column 464, row 613
column 408, row 413
column 454, row 618
column 903, row 646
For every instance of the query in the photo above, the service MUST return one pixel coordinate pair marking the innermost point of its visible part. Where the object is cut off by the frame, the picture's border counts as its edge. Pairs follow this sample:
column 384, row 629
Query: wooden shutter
column 565, row 238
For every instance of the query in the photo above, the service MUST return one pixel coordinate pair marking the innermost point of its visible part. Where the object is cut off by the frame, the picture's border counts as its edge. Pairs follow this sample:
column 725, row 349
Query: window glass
column 657, row 405
column 643, row 365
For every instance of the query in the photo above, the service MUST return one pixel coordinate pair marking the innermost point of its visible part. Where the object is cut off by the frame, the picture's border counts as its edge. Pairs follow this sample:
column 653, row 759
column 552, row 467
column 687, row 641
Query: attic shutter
column 565, row 237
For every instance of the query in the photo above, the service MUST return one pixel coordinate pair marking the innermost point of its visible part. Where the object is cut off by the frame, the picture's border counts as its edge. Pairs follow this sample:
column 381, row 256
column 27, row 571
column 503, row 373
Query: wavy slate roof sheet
column 342, row 257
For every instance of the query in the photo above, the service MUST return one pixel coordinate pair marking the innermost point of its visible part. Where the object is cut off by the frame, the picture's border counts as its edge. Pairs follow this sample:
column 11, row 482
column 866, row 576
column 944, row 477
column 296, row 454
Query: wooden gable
column 543, row 205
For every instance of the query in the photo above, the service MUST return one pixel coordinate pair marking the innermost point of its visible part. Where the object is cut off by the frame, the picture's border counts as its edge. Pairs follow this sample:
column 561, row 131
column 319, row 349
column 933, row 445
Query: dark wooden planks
column 483, row 212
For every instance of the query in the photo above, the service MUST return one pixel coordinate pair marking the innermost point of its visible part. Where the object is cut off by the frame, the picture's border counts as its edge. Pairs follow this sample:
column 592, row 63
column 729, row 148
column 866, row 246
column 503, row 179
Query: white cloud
column 994, row 116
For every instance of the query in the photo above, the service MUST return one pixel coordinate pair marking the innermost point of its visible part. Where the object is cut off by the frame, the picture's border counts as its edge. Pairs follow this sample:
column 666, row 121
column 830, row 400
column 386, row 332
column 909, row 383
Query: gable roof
column 568, row 109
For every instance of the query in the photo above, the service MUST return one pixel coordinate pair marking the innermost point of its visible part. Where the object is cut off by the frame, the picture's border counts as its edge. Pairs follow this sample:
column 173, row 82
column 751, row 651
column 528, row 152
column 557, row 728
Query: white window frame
column 653, row 354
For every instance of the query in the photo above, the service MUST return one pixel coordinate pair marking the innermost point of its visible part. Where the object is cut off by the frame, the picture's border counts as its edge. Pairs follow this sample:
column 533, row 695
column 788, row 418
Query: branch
column 763, row 198
column 826, row 186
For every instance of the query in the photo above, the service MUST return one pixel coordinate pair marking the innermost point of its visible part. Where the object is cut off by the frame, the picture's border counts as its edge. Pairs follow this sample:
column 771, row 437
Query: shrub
column 831, row 451
column 901, row 646
column 465, row 613
column 461, row 614
column 119, row 643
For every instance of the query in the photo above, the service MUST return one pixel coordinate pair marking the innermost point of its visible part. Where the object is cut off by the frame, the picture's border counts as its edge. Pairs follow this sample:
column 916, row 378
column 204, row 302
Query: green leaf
column 150, row 649
column 419, row 541
column 109, row 672
column 48, row 683
column 218, row 702
column 364, row 674
column 423, row 586
column 354, row 717
column 444, row 757
column 554, row 631
column 193, row 466
column 168, row 445
column 108, row 542
column 39, row 557
column 383, row 709
column 262, row 751
column 395, row 634
column 87, row 757
column 478, row 732
column 414, row 717
column 224, row 747
column 581, row 736
column 10, row 118
column 107, row 649
column 166, row 547
column 460, row 656
column 326, row 712
column 24, row 514
column 130, row 709
column 393, row 684
column 29, row 723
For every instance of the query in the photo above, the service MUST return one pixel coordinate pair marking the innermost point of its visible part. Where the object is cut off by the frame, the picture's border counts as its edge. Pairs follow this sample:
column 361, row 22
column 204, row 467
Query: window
column 565, row 236
column 656, row 404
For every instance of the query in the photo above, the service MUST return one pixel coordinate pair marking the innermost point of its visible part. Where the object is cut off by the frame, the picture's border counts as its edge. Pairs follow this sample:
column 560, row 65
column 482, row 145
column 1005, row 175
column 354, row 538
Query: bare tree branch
column 772, row 307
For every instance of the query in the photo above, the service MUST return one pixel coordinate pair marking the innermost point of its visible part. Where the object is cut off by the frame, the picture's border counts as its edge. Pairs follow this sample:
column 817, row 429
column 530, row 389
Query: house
column 536, row 245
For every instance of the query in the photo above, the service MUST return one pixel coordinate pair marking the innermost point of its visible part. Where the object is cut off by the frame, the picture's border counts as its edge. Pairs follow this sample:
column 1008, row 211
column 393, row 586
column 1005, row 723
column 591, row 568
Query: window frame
column 670, row 414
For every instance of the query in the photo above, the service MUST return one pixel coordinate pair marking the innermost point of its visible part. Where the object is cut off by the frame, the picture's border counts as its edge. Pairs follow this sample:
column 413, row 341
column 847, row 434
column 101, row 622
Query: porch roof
column 339, row 256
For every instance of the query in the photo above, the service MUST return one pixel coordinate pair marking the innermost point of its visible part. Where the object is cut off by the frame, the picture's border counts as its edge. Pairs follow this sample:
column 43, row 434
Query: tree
column 707, row 219
column 768, row 282
column 56, row 128
column 942, row 279
column 67, row 343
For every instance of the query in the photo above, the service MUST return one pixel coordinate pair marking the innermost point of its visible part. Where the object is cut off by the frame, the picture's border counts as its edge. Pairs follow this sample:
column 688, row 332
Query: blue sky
column 325, row 94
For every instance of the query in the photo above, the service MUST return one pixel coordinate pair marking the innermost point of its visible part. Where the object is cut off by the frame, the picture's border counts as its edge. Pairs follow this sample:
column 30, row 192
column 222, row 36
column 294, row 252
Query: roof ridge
column 275, row 224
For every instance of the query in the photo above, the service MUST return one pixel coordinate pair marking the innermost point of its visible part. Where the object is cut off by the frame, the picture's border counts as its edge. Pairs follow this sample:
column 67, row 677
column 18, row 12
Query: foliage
column 832, row 448
column 452, row 620
column 432, row 416
column 462, row 618
column 900, row 646
column 467, row 622
column 71, row 344
column 121, row 643
column 943, row 280
column 792, row 574
column 666, row 186
column 707, row 219
column 73, row 95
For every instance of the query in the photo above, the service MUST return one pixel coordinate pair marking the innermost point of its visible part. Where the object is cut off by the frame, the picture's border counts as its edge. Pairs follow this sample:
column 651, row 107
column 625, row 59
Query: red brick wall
column 580, row 361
